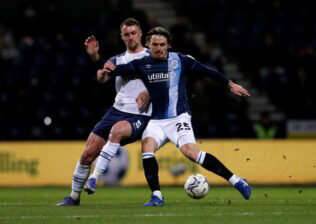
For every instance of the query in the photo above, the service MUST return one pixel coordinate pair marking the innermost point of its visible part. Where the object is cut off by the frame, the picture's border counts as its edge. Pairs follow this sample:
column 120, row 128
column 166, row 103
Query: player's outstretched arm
column 197, row 67
column 238, row 89
column 103, row 73
column 92, row 48
column 125, row 70
column 212, row 72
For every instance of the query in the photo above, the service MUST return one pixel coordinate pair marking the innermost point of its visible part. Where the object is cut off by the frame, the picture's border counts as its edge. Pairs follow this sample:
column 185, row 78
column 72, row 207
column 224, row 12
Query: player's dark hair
column 158, row 30
column 130, row 22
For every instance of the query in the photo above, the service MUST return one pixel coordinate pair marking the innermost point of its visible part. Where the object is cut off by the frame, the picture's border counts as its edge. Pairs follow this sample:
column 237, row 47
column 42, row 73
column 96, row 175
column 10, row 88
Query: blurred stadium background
column 268, row 46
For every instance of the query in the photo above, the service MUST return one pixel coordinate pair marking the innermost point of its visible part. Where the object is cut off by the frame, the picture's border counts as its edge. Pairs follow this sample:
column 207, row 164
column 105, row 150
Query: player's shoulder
column 120, row 55
column 186, row 56
column 142, row 61
column 116, row 58
column 146, row 57
column 147, row 52
column 144, row 53
column 181, row 55
column 185, row 59
column 190, row 56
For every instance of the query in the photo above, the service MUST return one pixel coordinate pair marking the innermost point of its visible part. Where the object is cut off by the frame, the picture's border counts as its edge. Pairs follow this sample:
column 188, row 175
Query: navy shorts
column 112, row 116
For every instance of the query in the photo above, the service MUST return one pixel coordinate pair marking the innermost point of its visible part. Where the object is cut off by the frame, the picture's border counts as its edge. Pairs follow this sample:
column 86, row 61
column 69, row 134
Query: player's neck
column 136, row 50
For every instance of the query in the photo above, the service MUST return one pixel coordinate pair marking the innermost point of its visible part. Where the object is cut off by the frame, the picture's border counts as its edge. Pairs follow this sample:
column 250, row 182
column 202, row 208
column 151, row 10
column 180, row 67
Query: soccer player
column 164, row 74
column 123, row 123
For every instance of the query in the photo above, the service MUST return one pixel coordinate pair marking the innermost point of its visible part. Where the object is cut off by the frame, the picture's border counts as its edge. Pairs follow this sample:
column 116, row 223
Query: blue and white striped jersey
column 166, row 81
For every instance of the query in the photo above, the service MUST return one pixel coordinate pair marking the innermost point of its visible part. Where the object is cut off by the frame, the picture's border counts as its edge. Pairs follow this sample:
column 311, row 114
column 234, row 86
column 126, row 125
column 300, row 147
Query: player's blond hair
column 130, row 22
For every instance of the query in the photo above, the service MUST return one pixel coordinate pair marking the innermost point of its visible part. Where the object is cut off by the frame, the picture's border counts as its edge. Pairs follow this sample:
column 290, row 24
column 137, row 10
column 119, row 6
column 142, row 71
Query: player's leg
column 153, row 138
column 124, row 131
column 119, row 131
column 93, row 146
column 214, row 165
column 206, row 160
column 181, row 133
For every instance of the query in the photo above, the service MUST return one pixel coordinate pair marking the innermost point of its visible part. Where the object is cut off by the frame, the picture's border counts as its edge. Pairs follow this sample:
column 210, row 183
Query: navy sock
column 151, row 173
column 211, row 163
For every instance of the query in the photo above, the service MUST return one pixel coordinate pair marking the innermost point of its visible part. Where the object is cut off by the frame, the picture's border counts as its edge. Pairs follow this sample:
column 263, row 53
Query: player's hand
column 143, row 101
column 109, row 66
column 238, row 89
column 92, row 47
column 102, row 75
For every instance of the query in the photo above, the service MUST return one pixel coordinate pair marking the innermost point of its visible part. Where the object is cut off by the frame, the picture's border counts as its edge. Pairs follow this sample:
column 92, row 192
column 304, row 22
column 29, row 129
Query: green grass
column 124, row 205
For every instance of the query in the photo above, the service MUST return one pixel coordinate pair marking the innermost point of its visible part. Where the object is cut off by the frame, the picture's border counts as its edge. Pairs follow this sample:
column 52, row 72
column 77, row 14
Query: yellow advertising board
column 38, row 163
column 260, row 162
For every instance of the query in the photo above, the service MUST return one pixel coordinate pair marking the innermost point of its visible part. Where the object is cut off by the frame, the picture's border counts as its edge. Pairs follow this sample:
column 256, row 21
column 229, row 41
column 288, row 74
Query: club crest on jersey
column 158, row 77
column 174, row 64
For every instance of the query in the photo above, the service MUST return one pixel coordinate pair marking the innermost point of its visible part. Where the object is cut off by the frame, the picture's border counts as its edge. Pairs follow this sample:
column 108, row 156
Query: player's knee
column 92, row 149
column 148, row 145
column 88, row 157
column 90, row 154
column 189, row 151
column 119, row 131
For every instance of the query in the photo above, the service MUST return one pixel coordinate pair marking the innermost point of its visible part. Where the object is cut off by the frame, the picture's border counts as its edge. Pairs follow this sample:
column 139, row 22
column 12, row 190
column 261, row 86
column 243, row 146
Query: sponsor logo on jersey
column 158, row 77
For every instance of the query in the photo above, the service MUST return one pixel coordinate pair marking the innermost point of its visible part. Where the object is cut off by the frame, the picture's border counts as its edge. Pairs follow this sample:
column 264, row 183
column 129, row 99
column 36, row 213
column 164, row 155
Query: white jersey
column 127, row 91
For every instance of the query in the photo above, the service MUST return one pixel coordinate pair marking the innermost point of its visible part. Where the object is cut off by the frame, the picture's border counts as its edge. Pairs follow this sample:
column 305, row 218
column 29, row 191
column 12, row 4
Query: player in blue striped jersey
column 164, row 74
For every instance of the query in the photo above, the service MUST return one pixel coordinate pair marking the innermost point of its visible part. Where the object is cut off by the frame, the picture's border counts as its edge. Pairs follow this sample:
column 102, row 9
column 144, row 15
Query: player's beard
column 133, row 45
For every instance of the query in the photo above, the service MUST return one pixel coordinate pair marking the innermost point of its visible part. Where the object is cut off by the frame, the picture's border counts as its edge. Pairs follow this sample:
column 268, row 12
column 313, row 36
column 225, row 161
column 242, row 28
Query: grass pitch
column 125, row 205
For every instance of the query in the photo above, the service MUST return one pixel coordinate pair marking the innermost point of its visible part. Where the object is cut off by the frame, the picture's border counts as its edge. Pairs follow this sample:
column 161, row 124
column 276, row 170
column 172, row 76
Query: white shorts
column 178, row 130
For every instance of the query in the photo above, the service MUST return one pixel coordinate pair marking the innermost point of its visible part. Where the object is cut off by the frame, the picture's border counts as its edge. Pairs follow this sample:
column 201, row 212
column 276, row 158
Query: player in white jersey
column 123, row 123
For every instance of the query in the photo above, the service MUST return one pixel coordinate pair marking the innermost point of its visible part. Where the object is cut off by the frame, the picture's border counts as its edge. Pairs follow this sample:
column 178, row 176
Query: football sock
column 107, row 153
column 158, row 194
column 211, row 163
column 234, row 179
column 79, row 178
column 151, row 171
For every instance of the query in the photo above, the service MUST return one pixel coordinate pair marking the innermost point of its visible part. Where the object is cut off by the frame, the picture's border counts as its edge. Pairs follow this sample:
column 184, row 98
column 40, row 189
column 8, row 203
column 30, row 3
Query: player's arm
column 197, row 67
column 110, row 70
column 92, row 48
column 103, row 74
column 143, row 101
column 125, row 70
column 237, row 89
